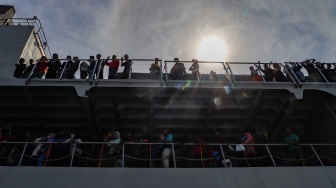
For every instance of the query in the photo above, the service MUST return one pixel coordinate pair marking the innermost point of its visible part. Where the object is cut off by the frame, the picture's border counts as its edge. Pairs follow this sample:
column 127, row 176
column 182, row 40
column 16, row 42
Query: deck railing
column 148, row 155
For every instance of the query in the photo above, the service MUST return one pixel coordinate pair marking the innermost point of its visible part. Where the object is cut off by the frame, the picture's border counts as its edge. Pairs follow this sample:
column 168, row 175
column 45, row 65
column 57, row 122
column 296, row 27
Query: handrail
column 34, row 21
column 32, row 71
column 306, row 153
column 63, row 69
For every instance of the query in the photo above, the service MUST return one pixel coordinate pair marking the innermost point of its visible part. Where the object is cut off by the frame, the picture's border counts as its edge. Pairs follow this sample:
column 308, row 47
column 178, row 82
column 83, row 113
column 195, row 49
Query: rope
column 48, row 153
column 146, row 159
column 294, row 159
column 10, row 157
column 202, row 156
column 101, row 154
column 47, row 159
column 207, row 159
column 255, row 158
column 100, row 159
column 246, row 159
column 331, row 159
column 332, row 149
column 301, row 156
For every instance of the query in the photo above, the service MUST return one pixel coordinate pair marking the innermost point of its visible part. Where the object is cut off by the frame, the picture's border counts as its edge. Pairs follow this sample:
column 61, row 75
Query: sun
column 211, row 48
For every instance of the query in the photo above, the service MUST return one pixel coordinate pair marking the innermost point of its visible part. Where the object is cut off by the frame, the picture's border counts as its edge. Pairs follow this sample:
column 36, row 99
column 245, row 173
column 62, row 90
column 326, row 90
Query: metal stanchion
column 72, row 156
column 24, row 150
column 269, row 153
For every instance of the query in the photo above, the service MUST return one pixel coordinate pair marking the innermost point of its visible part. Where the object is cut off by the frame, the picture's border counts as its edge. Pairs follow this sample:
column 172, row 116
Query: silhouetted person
column 155, row 69
column 195, row 69
column 178, row 70
column 54, row 65
column 20, row 67
column 40, row 68
column 28, row 69
column 127, row 67
column 312, row 70
column 268, row 72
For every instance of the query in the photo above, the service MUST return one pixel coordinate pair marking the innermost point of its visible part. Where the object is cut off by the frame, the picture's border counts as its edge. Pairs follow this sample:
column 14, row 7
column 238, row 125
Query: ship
column 228, row 103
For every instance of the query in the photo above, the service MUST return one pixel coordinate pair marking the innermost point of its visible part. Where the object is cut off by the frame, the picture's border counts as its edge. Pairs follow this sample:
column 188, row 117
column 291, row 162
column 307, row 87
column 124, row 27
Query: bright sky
column 250, row 30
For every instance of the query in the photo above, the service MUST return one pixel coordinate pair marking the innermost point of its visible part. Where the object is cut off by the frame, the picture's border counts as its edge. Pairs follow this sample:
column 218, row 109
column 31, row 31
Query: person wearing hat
column 126, row 63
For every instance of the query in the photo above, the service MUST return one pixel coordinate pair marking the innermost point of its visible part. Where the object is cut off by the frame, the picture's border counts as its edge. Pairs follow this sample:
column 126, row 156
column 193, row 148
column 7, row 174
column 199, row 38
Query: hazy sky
column 252, row 30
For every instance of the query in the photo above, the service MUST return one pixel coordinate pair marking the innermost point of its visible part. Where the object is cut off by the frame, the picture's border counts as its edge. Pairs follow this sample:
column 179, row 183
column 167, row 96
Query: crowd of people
column 94, row 68
column 56, row 150
column 317, row 72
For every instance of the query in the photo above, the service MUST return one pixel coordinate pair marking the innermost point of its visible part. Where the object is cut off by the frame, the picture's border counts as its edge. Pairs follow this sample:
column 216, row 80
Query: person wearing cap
column 126, row 63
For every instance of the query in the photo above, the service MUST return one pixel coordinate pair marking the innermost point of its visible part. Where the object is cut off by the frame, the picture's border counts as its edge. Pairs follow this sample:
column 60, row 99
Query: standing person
column 293, row 149
column 20, row 67
column 54, row 66
column 269, row 74
column 199, row 149
column 127, row 67
column 91, row 66
column 28, row 69
column 115, row 148
column 41, row 68
column 65, row 67
column 72, row 68
column 312, row 70
column 99, row 64
column 45, row 149
column 84, row 68
column 155, row 69
column 278, row 74
column 113, row 67
column 168, row 138
column 195, row 69
column 254, row 74
column 178, row 70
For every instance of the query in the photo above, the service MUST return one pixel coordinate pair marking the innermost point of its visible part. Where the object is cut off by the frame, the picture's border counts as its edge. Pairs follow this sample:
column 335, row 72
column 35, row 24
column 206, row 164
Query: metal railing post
column 173, row 155
column 65, row 66
column 130, row 71
column 32, row 72
column 293, row 73
column 223, row 155
column 165, row 67
column 72, row 155
column 270, row 154
column 123, row 156
column 24, row 150
column 317, row 155
column 229, row 68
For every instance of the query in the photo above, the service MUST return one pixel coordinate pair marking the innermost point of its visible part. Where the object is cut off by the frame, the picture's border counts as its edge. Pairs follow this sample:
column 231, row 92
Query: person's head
column 195, row 61
column 27, row 134
column 156, row 60
column 161, row 136
column 31, row 61
column 197, row 137
column 55, row 56
column 73, row 135
column 75, row 58
column 43, row 58
column 251, row 68
column 116, row 135
column 265, row 66
column 21, row 61
column 288, row 131
column 130, row 135
column 68, row 57
column 165, row 131
column 126, row 56
column 114, row 57
column 50, row 136
column 98, row 56
column 91, row 57
column 176, row 60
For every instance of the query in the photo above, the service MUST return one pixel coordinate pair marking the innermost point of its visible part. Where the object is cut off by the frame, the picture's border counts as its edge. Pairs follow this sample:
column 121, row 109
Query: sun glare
column 211, row 49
